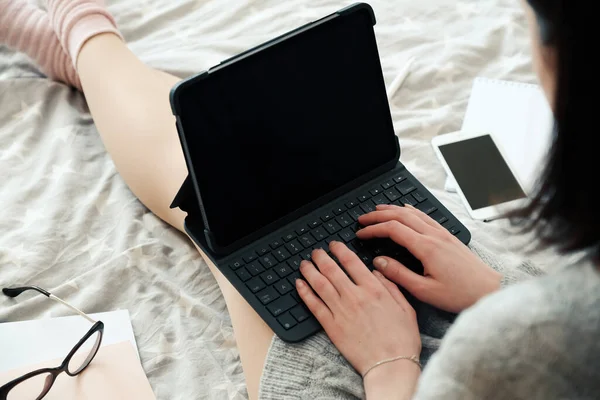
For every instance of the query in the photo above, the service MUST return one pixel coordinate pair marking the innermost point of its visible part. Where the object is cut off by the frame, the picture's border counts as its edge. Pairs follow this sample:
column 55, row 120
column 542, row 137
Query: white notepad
column 30, row 342
column 519, row 118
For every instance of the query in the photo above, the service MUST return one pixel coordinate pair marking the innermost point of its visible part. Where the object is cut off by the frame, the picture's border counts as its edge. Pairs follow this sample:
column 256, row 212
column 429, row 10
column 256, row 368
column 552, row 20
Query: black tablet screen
column 284, row 126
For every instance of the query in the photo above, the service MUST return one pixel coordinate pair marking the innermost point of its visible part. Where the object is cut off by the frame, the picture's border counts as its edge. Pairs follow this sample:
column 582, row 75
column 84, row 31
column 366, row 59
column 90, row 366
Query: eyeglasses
column 75, row 363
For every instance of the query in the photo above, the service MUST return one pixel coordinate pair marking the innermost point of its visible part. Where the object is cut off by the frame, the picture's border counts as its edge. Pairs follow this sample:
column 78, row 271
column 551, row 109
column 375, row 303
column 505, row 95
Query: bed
column 68, row 222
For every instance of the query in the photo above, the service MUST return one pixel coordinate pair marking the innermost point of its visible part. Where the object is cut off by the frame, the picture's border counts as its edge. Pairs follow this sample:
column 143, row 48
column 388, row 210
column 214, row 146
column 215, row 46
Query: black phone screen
column 284, row 126
column 481, row 172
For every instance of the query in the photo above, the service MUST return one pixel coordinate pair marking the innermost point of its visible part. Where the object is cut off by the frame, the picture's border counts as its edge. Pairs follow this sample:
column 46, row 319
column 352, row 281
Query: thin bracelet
column 414, row 359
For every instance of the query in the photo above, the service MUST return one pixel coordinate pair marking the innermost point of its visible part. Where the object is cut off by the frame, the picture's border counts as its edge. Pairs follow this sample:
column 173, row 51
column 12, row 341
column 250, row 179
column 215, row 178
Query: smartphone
column 486, row 183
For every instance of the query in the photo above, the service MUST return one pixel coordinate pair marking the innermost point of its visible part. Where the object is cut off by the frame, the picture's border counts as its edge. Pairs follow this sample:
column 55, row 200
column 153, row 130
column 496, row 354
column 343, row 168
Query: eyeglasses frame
column 64, row 366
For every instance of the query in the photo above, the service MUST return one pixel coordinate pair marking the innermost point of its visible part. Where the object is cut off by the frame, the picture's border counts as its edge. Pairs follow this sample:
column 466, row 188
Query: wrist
column 394, row 380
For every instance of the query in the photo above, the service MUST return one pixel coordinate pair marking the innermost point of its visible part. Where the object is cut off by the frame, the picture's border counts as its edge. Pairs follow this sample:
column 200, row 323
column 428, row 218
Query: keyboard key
column 359, row 245
column 331, row 239
column 294, row 247
column 368, row 206
column 387, row 184
column 283, row 270
column 366, row 258
column 364, row 197
column 294, row 262
column 314, row 223
column 302, row 230
column 306, row 254
column 287, row 321
column 281, row 254
column 255, row 284
column 243, row 274
column 453, row 230
column 439, row 217
column 319, row 233
column 332, row 227
column 275, row 244
column 268, row 261
column 419, row 197
column 326, row 217
column 267, row 295
column 375, row 191
column 255, row 268
column 281, row 305
column 321, row 245
column 339, row 210
column 236, row 264
column 392, row 194
column 289, row 236
column 250, row 257
column 283, row 286
column 380, row 199
column 347, row 235
column 270, row 277
column 300, row 312
column 409, row 200
column 352, row 204
column 263, row 250
column 399, row 178
column 356, row 212
column 293, row 276
column 406, row 187
column 296, row 297
column 344, row 220
column 426, row 207
column 307, row 240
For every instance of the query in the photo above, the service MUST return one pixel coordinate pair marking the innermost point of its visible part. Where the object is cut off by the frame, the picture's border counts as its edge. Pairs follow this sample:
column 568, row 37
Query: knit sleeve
column 495, row 351
column 513, row 269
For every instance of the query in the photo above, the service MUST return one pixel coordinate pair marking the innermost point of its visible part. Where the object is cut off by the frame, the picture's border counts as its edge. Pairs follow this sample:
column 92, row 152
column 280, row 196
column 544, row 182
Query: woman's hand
column 367, row 318
column 454, row 278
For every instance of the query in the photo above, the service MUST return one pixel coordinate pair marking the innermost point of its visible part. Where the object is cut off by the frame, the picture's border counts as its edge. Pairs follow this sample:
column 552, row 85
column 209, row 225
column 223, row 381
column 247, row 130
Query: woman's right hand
column 454, row 278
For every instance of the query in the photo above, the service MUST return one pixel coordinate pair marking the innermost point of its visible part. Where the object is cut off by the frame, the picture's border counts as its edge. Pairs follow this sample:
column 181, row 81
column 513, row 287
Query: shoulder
column 521, row 336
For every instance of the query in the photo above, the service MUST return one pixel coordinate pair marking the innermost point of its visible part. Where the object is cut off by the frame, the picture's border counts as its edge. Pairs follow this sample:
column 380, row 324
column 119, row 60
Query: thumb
column 397, row 272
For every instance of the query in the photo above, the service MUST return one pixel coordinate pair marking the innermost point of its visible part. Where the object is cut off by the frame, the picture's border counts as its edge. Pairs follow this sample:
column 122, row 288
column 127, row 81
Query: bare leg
column 130, row 106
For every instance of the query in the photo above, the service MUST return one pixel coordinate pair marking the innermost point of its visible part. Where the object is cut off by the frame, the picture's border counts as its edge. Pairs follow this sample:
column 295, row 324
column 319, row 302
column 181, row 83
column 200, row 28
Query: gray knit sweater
column 539, row 339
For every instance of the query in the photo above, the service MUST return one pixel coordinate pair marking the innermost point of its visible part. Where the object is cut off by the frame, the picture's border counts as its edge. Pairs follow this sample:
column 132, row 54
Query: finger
column 400, row 214
column 320, row 284
column 424, row 217
column 332, row 271
column 357, row 270
column 314, row 304
column 398, row 232
column 394, row 291
column 397, row 272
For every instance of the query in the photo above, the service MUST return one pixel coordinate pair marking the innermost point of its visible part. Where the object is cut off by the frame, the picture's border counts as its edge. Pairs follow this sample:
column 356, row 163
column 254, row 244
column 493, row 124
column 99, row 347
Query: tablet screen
column 481, row 172
column 284, row 126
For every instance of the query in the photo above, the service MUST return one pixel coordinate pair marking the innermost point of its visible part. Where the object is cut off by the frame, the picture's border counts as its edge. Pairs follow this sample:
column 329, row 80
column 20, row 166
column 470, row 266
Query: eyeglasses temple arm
column 78, row 311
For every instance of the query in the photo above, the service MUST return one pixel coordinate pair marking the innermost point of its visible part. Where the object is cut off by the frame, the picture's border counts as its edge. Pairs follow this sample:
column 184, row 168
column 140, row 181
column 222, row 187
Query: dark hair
column 563, row 211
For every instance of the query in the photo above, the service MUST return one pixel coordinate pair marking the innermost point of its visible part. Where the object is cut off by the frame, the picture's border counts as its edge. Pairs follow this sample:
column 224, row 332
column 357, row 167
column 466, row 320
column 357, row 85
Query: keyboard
column 269, row 270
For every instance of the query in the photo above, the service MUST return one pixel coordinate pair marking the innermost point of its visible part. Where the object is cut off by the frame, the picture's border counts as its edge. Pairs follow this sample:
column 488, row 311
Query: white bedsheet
column 68, row 222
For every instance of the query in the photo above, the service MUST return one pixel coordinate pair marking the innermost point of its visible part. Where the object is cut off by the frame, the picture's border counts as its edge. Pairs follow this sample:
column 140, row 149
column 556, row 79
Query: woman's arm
column 397, row 380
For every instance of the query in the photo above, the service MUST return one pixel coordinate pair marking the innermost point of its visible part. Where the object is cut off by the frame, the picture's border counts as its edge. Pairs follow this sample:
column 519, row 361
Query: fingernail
column 333, row 243
column 303, row 263
column 377, row 274
column 300, row 283
column 380, row 263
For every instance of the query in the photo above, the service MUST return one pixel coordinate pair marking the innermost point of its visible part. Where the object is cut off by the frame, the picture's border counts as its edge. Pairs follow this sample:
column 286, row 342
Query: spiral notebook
column 518, row 117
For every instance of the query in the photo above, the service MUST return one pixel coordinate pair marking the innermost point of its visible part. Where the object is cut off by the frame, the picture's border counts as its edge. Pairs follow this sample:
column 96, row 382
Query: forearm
column 396, row 380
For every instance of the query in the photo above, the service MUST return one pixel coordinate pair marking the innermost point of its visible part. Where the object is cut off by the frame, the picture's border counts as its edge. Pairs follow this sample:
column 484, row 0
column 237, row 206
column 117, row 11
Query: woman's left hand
column 368, row 320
